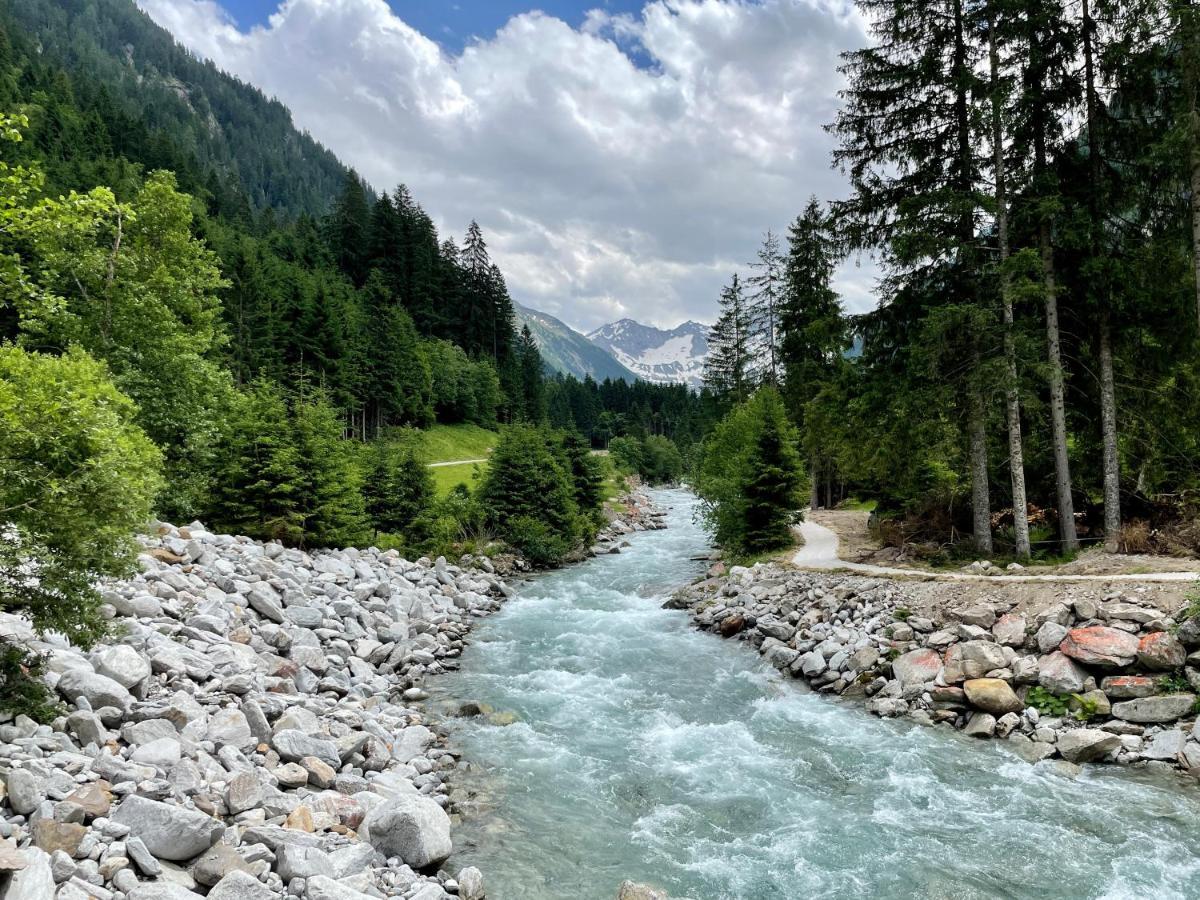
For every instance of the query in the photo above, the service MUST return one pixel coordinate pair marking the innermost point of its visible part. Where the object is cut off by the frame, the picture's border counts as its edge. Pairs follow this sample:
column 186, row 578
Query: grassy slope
column 446, row 478
column 443, row 443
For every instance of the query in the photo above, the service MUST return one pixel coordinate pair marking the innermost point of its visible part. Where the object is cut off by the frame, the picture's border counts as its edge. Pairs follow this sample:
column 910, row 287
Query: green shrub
column 398, row 487
column 77, row 478
column 1046, row 702
column 587, row 475
column 284, row 472
column 1076, row 706
column 750, row 476
column 535, row 540
column 662, row 462
column 1174, row 683
column 656, row 460
column 627, row 454
column 529, row 478
column 450, row 524
column 22, row 691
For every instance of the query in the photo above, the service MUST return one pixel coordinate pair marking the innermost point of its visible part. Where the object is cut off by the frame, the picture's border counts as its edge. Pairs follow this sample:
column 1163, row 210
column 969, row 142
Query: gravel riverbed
column 252, row 729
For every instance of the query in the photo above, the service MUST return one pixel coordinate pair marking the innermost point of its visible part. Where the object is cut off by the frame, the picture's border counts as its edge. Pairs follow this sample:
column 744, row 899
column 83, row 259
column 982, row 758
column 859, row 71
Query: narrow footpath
column 820, row 553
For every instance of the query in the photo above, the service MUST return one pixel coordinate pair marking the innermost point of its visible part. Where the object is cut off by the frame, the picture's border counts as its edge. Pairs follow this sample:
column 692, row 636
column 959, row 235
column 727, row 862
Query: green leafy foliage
column 750, row 476
column 1047, row 703
column 655, row 458
column 398, row 486
column 529, row 495
column 587, row 474
column 1173, row 683
column 23, row 692
column 77, row 478
column 1076, row 706
column 451, row 524
column 283, row 472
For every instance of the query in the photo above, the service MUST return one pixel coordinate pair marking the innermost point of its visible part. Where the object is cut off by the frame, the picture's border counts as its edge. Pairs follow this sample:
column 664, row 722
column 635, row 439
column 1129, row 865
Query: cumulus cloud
column 623, row 168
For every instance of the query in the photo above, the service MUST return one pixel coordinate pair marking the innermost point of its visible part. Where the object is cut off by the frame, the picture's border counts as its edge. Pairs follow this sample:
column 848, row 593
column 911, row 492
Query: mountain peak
column 662, row 356
column 565, row 350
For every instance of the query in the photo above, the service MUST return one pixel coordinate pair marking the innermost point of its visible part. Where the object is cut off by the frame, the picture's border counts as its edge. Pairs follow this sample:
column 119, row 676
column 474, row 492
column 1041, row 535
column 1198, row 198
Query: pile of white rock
column 1087, row 678
column 248, row 732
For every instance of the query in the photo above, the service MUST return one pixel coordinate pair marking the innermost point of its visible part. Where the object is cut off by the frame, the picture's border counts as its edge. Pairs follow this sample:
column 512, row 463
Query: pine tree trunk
column 1058, row 405
column 1108, row 391
column 814, row 498
column 1196, row 205
column 1108, row 426
column 1016, row 451
column 981, row 505
column 981, row 510
column 1189, row 35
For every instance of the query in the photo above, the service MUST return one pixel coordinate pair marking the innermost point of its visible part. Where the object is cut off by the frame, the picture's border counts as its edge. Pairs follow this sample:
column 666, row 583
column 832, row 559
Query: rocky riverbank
column 1091, row 674
column 252, row 730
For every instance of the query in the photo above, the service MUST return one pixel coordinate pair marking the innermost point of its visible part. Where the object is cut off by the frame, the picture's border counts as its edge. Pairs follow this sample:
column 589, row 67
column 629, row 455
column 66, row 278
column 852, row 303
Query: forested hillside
column 162, row 107
column 262, row 327
column 1029, row 176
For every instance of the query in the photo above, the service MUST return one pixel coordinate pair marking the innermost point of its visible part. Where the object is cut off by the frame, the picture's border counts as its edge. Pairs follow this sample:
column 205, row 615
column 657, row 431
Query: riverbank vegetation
column 222, row 322
column 1028, row 178
column 750, row 478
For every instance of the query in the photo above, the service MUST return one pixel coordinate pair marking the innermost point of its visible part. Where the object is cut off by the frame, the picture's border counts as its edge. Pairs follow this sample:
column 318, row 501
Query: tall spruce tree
column 812, row 327
column 477, row 317
column 1048, row 95
column 529, row 360
column 763, row 305
column 727, row 368
column 907, row 138
column 348, row 228
column 999, row 92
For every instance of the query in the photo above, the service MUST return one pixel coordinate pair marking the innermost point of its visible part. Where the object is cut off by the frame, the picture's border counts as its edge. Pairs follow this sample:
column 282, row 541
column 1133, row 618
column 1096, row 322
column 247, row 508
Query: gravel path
column 820, row 552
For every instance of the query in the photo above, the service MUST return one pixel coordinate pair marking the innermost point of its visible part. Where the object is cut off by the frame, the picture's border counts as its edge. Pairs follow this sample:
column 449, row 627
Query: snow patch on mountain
column 674, row 356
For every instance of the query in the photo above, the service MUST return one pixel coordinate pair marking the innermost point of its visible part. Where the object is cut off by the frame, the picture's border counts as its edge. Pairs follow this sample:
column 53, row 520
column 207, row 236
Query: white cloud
column 606, row 188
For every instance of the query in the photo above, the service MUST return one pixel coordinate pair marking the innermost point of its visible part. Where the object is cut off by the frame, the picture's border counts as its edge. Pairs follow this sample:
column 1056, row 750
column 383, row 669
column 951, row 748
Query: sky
column 623, row 158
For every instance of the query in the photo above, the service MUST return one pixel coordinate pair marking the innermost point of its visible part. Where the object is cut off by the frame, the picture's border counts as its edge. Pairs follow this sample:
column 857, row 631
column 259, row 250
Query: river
column 646, row 749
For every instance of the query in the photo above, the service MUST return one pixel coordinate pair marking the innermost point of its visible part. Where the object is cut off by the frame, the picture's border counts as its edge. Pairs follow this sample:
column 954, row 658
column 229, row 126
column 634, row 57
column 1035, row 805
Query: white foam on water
column 645, row 749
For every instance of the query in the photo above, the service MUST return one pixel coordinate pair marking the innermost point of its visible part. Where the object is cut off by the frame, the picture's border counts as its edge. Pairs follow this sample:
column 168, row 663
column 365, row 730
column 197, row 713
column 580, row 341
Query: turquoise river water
column 646, row 749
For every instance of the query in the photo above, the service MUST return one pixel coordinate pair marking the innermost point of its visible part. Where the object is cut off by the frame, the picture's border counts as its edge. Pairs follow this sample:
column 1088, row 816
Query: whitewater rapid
column 645, row 749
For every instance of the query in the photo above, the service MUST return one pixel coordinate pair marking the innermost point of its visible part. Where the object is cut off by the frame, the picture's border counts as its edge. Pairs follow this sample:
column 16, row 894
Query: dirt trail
column 822, row 550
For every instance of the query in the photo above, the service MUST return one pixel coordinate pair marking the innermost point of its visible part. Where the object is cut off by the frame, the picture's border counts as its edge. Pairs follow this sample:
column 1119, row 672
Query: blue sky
column 452, row 23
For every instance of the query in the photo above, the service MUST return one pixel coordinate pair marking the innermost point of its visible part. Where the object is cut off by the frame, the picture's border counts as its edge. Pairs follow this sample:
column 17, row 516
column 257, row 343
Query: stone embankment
column 1092, row 675
column 251, row 730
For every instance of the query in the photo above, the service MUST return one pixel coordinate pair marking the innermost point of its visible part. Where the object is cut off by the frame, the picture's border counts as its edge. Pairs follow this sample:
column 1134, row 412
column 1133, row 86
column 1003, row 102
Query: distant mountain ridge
column 567, row 351
column 674, row 356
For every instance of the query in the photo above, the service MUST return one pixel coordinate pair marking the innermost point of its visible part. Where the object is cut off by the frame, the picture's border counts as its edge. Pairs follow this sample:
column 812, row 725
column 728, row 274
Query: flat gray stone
column 169, row 832
column 240, row 886
column 1166, row 745
column 1081, row 745
column 35, row 881
column 1147, row 710
column 322, row 887
column 412, row 827
column 293, row 746
column 25, row 791
column 98, row 690
column 161, row 890
column 122, row 664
